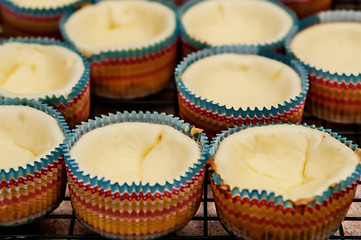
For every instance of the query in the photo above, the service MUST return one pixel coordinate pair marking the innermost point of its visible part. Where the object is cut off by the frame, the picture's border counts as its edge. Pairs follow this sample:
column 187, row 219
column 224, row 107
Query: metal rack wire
column 206, row 223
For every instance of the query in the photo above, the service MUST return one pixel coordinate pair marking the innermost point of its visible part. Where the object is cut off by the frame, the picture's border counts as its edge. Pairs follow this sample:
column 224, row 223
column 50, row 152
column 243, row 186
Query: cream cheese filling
column 135, row 152
column 333, row 47
column 36, row 71
column 26, row 135
column 220, row 22
column 293, row 161
column 118, row 25
column 42, row 4
column 242, row 81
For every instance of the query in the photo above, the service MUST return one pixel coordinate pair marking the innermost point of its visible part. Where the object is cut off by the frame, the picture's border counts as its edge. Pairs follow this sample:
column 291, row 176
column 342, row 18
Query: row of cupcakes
column 214, row 87
column 132, row 69
column 103, row 169
column 41, row 17
column 326, row 46
column 333, row 80
column 140, row 175
column 57, row 74
column 134, row 66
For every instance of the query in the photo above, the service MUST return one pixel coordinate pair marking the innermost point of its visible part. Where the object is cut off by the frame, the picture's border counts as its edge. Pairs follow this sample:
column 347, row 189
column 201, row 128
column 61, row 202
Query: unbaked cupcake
column 222, row 87
column 283, row 181
column 223, row 22
column 49, row 71
column 131, row 45
column 306, row 8
column 32, row 175
column 37, row 18
column 328, row 46
column 136, row 175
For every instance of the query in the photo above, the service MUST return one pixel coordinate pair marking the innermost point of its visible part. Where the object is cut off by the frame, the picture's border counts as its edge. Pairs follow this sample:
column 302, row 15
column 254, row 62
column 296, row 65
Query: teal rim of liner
column 39, row 10
column 79, row 86
column 157, row 118
column 56, row 153
column 270, row 196
column 209, row 105
column 270, row 45
column 325, row 17
column 127, row 53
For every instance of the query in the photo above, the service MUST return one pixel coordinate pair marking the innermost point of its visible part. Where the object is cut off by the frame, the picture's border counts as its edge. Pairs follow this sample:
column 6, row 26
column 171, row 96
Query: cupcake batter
column 242, row 81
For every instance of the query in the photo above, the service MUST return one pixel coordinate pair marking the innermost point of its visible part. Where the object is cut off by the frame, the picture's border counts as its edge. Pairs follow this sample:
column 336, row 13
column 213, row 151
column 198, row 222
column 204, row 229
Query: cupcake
column 32, row 171
column 328, row 46
column 283, row 181
column 37, row 18
column 222, row 87
column 136, row 175
column 49, row 71
column 306, row 8
column 131, row 45
column 224, row 22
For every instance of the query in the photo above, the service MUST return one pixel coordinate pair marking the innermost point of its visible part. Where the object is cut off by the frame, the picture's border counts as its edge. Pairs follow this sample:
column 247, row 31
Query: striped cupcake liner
column 28, row 193
column 132, row 73
column 75, row 106
column 136, row 211
column 213, row 117
column 250, row 214
column 306, row 8
column 333, row 97
column 190, row 44
column 37, row 22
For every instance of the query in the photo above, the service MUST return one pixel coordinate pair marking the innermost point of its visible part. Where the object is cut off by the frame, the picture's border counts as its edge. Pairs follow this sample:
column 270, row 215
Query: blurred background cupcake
column 36, row 18
column 226, row 86
column 283, row 181
column 131, row 45
column 32, row 174
column 136, row 175
column 223, row 22
column 328, row 45
column 49, row 71
column 305, row 8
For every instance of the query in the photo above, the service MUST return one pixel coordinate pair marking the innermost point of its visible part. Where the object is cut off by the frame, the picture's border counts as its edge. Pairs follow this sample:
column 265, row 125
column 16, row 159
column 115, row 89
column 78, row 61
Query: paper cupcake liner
column 136, row 77
column 37, row 22
column 190, row 44
column 213, row 117
column 132, row 73
column 250, row 214
column 306, row 8
column 74, row 106
column 332, row 96
column 27, row 193
column 136, row 211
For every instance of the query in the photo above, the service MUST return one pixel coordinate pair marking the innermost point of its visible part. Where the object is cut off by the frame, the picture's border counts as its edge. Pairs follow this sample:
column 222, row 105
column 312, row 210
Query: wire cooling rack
column 62, row 223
